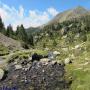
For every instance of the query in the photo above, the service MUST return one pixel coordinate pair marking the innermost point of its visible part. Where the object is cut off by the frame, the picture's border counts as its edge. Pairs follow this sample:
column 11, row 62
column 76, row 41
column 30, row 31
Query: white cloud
column 21, row 11
column 52, row 11
column 34, row 18
column 3, row 14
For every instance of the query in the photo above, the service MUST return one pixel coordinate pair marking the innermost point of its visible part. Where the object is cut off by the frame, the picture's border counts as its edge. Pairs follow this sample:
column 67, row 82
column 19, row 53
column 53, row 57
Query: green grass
column 80, row 76
column 81, row 80
column 40, row 51
column 18, row 55
column 3, row 50
column 80, row 72
column 24, row 54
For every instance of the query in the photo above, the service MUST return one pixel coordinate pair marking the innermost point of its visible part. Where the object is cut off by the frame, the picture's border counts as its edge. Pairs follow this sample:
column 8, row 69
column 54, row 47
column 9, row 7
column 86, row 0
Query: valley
column 67, row 37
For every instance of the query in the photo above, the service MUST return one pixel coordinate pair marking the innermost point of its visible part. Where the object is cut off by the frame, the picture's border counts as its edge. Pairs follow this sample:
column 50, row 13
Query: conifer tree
column 2, row 28
column 21, row 34
column 10, row 32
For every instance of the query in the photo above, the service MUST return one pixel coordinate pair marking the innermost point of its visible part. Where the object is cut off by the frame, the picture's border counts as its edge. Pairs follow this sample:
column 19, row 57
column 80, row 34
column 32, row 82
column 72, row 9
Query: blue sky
column 44, row 4
column 35, row 12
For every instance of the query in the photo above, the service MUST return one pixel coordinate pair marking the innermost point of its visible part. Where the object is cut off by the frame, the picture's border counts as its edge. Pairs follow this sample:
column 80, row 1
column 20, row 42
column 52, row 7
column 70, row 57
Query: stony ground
column 39, row 75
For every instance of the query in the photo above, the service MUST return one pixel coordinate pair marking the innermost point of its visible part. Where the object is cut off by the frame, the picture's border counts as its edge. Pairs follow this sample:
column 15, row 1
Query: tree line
column 20, row 33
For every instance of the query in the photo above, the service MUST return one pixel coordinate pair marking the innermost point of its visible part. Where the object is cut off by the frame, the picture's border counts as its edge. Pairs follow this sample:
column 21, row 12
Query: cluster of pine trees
column 20, row 33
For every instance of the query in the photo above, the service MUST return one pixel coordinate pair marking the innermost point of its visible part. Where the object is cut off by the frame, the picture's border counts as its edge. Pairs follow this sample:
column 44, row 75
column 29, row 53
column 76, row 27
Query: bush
column 24, row 45
column 3, row 50
column 54, row 43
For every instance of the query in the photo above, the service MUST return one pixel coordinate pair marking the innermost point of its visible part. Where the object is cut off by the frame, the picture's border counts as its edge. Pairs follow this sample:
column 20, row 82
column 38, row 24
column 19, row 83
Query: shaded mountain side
column 9, row 42
column 33, row 30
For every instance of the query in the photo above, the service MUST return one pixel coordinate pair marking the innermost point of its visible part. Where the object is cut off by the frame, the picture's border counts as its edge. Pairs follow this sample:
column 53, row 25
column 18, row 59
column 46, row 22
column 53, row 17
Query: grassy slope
column 79, row 70
column 3, row 50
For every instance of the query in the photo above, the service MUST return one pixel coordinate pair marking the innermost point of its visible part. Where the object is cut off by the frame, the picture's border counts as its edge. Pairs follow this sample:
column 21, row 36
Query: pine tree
column 21, row 34
column 17, row 33
column 2, row 28
column 10, row 32
column 31, row 40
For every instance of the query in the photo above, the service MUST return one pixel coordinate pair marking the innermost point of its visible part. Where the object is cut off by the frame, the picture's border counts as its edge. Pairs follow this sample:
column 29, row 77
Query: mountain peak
column 69, row 14
column 80, row 10
column 80, row 7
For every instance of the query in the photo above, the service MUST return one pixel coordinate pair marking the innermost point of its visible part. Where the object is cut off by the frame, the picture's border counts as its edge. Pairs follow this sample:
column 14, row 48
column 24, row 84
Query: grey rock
column 39, row 75
column 17, row 67
column 1, row 73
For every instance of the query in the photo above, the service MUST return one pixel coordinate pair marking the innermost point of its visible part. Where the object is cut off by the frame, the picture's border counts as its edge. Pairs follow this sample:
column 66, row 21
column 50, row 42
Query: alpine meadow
column 43, row 48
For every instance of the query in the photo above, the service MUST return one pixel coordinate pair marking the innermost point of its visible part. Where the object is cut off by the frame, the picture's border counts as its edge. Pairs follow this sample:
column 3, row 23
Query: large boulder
column 17, row 67
column 77, row 46
column 37, row 57
column 44, row 60
column 67, row 61
column 56, row 53
column 51, row 56
column 1, row 74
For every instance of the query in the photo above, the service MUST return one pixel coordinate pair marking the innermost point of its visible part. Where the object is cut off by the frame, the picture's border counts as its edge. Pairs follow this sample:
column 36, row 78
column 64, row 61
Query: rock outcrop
column 9, row 42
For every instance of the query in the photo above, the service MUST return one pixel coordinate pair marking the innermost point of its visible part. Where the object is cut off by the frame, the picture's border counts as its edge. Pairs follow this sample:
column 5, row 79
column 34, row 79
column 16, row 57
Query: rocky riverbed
column 37, row 75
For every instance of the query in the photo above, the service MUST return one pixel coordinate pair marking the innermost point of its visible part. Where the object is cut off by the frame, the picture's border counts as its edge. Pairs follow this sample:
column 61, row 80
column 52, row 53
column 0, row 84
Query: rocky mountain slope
column 70, row 14
column 61, row 17
column 9, row 42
